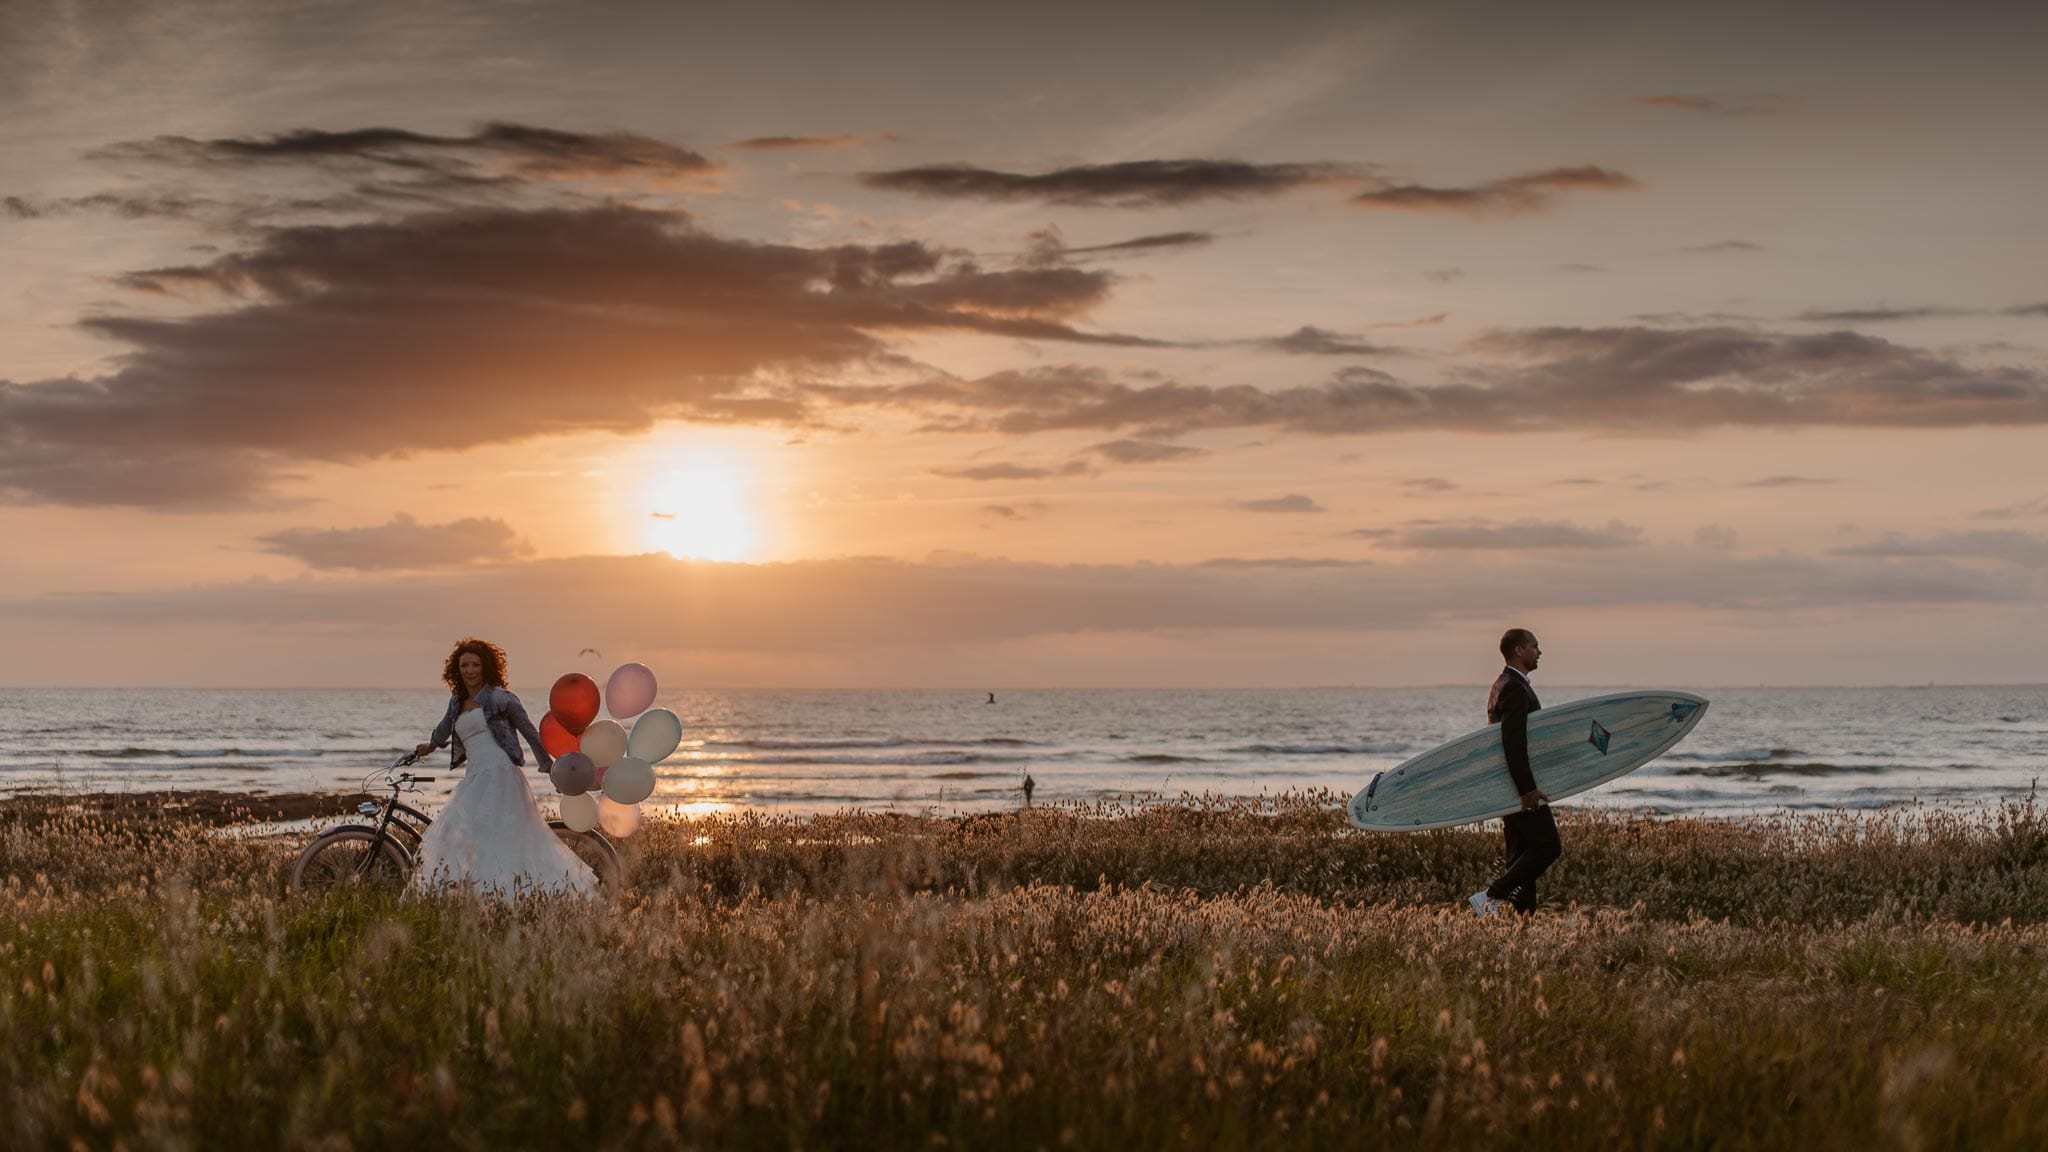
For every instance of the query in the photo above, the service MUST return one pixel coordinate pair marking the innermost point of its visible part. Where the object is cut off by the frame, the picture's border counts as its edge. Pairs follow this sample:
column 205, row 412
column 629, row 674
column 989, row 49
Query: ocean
column 800, row 752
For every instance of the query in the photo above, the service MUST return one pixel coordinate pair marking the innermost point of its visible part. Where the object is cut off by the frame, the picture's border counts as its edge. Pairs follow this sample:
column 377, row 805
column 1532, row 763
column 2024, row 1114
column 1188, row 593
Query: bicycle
column 386, row 855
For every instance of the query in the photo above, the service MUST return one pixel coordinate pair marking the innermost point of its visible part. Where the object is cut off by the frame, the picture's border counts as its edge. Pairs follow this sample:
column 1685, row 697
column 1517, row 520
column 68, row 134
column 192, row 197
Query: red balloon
column 559, row 741
column 574, row 701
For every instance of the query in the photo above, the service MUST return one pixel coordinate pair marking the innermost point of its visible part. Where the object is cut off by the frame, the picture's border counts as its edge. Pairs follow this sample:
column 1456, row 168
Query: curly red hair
column 492, row 656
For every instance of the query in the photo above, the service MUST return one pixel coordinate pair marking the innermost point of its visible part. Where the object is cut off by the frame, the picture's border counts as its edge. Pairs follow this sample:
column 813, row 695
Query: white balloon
column 629, row 780
column 580, row 811
column 604, row 742
column 655, row 736
column 618, row 820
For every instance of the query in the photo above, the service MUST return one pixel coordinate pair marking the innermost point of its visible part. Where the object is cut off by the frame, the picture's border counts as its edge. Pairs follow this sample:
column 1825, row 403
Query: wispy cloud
column 1129, row 184
column 1012, row 471
column 1882, row 315
column 2024, row 549
column 1709, row 105
column 1513, row 195
column 1521, row 535
column 1311, row 341
column 1145, row 451
column 404, row 543
column 1292, row 502
column 799, row 143
column 1726, row 246
column 1787, row 481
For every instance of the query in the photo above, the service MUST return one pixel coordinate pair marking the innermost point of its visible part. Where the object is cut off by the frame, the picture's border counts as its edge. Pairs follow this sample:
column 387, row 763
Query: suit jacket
column 1509, row 705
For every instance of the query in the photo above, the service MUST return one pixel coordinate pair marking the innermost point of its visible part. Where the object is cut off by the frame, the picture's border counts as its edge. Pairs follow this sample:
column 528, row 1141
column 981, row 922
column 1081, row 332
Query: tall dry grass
column 1198, row 974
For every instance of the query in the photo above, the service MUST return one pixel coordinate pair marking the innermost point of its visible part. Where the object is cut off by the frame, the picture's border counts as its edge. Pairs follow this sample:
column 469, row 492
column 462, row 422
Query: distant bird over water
column 591, row 652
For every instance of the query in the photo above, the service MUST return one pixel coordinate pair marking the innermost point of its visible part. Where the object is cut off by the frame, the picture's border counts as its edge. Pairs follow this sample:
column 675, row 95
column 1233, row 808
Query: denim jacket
column 507, row 720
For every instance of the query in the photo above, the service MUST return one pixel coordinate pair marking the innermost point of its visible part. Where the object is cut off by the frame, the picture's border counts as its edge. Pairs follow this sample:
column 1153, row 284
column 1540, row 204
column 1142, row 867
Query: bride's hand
column 422, row 750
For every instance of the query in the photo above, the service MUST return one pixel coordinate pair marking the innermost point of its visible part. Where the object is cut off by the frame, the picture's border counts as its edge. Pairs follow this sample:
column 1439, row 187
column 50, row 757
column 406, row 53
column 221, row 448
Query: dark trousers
column 1533, row 847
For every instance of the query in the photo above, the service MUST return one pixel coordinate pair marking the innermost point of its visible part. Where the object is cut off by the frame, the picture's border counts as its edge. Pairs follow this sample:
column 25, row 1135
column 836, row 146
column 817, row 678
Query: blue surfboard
column 1572, row 747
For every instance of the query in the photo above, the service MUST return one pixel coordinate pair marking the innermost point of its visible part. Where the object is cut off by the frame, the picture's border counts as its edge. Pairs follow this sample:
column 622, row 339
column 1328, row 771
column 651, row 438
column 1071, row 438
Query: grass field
column 1186, row 976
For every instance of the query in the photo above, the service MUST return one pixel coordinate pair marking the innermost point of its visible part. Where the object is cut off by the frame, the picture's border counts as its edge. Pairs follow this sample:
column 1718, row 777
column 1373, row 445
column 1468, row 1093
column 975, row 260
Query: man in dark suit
column 1532, row 843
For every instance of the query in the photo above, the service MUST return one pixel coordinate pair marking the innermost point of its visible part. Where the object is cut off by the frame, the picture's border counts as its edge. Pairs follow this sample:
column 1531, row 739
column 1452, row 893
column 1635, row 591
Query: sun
column 703, row 510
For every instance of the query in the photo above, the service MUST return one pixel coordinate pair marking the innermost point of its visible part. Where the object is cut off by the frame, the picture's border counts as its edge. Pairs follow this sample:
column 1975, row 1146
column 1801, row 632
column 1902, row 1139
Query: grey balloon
column 573, row 773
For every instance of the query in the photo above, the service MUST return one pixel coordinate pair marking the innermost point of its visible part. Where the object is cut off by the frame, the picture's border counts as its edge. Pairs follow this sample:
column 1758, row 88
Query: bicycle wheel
column 593, row 850
column 351, row 855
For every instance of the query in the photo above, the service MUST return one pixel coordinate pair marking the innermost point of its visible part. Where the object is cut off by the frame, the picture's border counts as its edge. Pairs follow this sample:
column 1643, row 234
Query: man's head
column 1519, row 648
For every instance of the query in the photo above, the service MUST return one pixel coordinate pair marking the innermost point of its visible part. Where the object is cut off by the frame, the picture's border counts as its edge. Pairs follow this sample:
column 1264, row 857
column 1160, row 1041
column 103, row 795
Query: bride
column 491, row 836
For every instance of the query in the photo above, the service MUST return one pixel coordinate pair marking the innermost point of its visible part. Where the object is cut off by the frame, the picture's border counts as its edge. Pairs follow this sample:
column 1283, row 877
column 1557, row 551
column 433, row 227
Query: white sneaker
column 1483, row 904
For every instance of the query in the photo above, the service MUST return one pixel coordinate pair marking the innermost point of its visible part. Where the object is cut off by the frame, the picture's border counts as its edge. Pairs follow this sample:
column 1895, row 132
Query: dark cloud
column 793, row 143
column 450, row 330
column 1521, row 535
column 2015, row 511
column 1130, row 184
column 1011, row 471
column 1709, row 105
column 2023, row 549
column 1584, row 269
column 1430, row 484
column 128, row 206
column 1529, row 192
column 1726, row 246
column 1921, row 312
column 402, row 544
column 1138, row 244
column 1014, row 512
column 1446, row 275
column 1648, row 380
column 493, row 151
column 1307, row 341
column 1787, row 481
column 1292, row 502
column 1144, row 451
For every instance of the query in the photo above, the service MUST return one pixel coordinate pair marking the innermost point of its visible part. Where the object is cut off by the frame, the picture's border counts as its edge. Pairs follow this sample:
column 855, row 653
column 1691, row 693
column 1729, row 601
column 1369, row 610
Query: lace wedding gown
column 491, row 836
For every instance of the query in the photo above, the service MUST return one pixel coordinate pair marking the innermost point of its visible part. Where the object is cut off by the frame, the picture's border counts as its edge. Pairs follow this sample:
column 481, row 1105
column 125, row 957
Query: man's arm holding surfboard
column 1514, row 742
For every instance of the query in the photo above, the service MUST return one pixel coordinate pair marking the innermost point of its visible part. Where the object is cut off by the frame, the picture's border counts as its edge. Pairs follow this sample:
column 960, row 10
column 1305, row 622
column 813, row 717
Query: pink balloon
column 630, row 691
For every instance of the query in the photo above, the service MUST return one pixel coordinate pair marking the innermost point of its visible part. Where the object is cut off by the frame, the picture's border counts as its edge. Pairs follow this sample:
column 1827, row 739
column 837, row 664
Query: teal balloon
column 655, row 736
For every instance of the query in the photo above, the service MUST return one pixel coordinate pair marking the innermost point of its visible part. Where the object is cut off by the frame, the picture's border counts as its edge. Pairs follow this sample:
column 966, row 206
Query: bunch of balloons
column 602, row 772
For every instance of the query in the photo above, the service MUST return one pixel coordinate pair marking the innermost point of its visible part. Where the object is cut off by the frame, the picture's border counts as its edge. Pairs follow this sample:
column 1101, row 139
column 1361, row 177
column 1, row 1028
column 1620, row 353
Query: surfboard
column 1572, row 748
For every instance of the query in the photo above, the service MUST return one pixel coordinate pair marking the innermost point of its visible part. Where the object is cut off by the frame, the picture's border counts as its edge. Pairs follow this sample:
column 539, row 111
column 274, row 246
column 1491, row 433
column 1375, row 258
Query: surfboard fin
column 1598, row 737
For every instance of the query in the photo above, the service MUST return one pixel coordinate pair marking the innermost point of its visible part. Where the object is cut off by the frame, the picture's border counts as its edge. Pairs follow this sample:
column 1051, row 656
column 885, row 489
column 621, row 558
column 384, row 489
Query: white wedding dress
column 491, row 836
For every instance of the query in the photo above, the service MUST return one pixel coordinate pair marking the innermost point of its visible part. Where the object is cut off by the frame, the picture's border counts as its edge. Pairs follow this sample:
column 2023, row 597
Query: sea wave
column 772, row 745
column 136, row 753
column 1739, row 756
column 1163, row 758
column 907, row 759
column 1780, row 769
column 1382, row 749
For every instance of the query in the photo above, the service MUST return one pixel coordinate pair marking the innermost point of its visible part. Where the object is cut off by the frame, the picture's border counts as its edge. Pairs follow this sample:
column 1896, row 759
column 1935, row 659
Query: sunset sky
column 951, row 345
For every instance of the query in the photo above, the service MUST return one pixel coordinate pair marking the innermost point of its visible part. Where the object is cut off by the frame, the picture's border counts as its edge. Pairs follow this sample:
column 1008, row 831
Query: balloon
column 629, row 780
column 559, row 741
column 618, row 820
column 630, row 690
column 573, row 773
column 655, row 735
column 604, row 742
column 574, row 702
column 580, row 812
